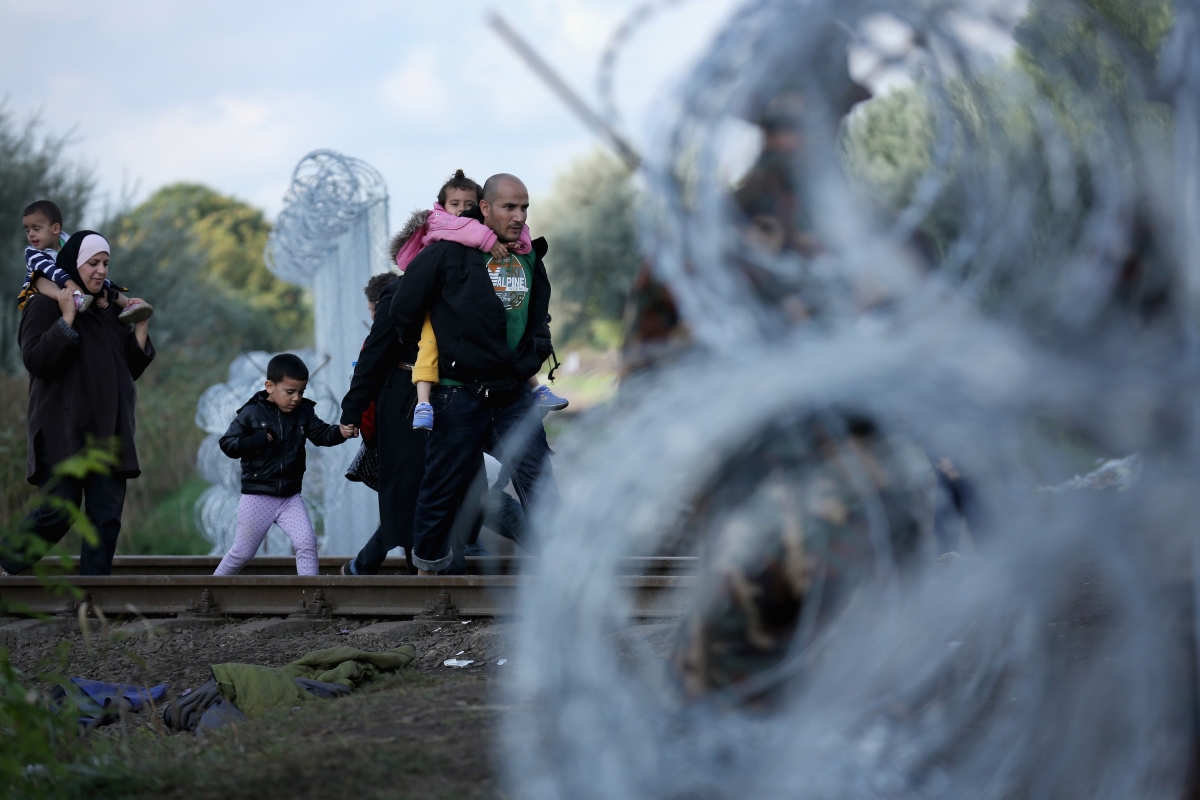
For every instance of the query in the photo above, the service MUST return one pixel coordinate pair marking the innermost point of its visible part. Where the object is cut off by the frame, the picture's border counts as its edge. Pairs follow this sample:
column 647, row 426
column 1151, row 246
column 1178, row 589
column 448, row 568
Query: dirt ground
column 426, row 732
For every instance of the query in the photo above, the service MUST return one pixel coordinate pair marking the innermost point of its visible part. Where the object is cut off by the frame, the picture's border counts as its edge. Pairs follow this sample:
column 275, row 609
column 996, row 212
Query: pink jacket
column 442, row 226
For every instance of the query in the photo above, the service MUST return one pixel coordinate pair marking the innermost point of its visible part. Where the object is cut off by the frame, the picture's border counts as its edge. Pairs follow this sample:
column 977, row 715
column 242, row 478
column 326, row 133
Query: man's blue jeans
column 464, row 427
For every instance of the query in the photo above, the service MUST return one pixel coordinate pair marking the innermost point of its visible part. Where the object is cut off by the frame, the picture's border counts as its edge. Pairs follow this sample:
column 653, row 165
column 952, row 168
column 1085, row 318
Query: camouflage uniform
column 654, row 330
column 818, row 502
column 815, row 507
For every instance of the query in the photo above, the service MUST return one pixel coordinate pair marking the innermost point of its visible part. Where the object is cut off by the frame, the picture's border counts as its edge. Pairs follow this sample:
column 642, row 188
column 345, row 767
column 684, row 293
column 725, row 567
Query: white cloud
column 416, row 88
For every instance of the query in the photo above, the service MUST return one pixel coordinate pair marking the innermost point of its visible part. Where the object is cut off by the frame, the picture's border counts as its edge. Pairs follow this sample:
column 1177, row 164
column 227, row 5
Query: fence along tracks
column 184, row 586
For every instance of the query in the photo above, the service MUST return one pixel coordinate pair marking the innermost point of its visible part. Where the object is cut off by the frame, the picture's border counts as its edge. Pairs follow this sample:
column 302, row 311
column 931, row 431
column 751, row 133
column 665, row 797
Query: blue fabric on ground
column 137, row 696
column 99, row 703
column 221, row 712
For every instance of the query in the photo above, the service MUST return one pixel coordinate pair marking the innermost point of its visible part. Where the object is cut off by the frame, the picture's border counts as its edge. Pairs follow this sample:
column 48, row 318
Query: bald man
column 489, row 316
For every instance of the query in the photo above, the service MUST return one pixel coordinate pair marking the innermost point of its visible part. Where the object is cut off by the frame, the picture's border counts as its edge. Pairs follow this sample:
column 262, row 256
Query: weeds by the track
column 409, row 735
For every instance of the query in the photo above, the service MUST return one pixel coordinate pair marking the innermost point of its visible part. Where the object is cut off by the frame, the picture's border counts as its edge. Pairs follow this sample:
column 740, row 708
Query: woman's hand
column 348, row 431
column 499, row 251
column 142, row 332
column 66, row 304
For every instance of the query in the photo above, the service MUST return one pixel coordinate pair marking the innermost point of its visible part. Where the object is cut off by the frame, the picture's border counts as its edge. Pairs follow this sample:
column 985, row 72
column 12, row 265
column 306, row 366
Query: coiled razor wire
column 328, row 191
column 1017, row 290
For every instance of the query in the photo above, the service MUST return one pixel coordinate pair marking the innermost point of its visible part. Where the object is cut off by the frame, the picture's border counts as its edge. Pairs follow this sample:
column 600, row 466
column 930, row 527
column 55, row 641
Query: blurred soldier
column 814, row 506
column 817, row 503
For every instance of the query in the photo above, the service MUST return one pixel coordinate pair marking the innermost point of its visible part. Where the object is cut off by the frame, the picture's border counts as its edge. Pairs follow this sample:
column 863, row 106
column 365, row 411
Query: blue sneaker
column 544, row 398
column 423, row 417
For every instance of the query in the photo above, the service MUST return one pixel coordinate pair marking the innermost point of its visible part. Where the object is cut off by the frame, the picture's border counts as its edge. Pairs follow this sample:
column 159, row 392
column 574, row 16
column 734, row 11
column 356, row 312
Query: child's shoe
column 82, row 301
column 423, row 417
column 135, row 312
column 544, row 398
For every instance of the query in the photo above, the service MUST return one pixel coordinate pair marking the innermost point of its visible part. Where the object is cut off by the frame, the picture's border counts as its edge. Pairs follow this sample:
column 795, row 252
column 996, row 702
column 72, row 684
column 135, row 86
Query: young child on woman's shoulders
column 42, row 221
column 446, row 223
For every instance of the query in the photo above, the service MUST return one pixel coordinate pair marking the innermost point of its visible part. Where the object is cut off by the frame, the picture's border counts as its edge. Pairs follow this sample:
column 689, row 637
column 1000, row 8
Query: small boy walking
column 268, row 435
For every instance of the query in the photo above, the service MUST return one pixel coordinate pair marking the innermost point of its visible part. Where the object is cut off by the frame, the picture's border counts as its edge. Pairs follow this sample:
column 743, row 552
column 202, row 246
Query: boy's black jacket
column 275, row 468
column 450, row 282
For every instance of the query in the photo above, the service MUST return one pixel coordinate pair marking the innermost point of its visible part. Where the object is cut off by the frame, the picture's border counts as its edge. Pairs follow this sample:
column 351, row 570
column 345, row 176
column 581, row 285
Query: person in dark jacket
column 268, row 435
column 82, row 368
column 383, row 378
column 486, row 316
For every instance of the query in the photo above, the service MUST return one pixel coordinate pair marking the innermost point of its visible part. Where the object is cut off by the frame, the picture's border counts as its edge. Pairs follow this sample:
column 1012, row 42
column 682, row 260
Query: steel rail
column 331, row 565
column 312, row 596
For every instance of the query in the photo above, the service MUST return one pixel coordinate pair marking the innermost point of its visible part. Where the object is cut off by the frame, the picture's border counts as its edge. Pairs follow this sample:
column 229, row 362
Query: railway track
column 331, row 565
column 156, row 586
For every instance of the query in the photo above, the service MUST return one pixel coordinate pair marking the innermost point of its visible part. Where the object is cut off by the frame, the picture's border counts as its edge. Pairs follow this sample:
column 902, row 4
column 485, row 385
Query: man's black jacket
column 376, row 365
column 275, row 468
column 450, row 282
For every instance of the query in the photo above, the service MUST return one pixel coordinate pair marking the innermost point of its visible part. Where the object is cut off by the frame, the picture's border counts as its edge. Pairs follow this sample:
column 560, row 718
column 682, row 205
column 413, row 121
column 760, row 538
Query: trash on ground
column 502, row 662
column 454, row 662
column 1115, row 473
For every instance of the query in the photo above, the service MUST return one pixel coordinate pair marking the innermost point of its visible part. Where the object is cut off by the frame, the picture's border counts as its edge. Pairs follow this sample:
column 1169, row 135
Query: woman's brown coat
column 80, row 386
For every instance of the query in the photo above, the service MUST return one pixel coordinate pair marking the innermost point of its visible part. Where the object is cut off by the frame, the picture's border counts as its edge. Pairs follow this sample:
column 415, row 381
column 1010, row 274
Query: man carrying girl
column 488, row 315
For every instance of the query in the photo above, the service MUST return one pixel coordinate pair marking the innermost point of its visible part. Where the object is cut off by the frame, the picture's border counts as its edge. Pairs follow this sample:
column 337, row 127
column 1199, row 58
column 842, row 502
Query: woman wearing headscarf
column 82, row 366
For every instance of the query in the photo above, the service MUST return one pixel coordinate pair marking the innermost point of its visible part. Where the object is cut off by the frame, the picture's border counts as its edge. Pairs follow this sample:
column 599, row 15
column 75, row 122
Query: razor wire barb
column 328, row 190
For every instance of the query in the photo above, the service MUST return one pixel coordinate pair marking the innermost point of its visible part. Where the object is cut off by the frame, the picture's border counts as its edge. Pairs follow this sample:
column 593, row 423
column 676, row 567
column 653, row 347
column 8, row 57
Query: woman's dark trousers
column 102, row 497
column 401, row 467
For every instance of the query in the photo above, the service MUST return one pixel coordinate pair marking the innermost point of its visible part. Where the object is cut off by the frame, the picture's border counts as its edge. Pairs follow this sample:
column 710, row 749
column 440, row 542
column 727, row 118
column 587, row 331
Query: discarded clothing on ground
column 256, row 690
column 202, row 709
column 251, row 690
column 100, row 703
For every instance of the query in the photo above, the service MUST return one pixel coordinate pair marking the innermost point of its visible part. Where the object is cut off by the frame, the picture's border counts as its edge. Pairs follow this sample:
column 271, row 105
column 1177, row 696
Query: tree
column 33, row 166
column 197, row 255
column 232, row 235
column 1091, row 62
column 589, row 222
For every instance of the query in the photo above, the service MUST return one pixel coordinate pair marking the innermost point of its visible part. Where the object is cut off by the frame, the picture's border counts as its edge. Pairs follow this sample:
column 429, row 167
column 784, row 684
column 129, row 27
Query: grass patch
column 170, row 527
column 409, row 735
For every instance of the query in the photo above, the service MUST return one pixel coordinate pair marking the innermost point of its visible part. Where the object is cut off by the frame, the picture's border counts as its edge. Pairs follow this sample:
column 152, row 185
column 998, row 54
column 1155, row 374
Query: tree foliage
column 1087, row 60
column 197, row 256
column 589, row 222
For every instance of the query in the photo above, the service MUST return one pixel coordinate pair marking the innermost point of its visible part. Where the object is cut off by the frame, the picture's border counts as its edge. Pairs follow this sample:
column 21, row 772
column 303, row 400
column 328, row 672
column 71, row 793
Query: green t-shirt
column 512, row 278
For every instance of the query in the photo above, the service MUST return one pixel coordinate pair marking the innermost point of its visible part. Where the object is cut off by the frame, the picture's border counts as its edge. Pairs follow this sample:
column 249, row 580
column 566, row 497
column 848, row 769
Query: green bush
column 38, row 743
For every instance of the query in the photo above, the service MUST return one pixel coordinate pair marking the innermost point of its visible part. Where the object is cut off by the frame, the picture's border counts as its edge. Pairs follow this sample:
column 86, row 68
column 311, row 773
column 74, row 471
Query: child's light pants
column 256, row 513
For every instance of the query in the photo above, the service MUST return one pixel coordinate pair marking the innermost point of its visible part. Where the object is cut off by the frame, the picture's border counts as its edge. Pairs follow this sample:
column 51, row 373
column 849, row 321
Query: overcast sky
column 233, row 94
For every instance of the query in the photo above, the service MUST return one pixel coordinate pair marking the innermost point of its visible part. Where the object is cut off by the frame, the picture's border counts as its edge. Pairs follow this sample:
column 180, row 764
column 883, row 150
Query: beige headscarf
column 92, row 244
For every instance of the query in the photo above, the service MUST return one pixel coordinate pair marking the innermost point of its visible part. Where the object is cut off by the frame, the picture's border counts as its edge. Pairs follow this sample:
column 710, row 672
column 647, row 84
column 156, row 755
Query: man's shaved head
column 492, row 184
column 505, row 206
